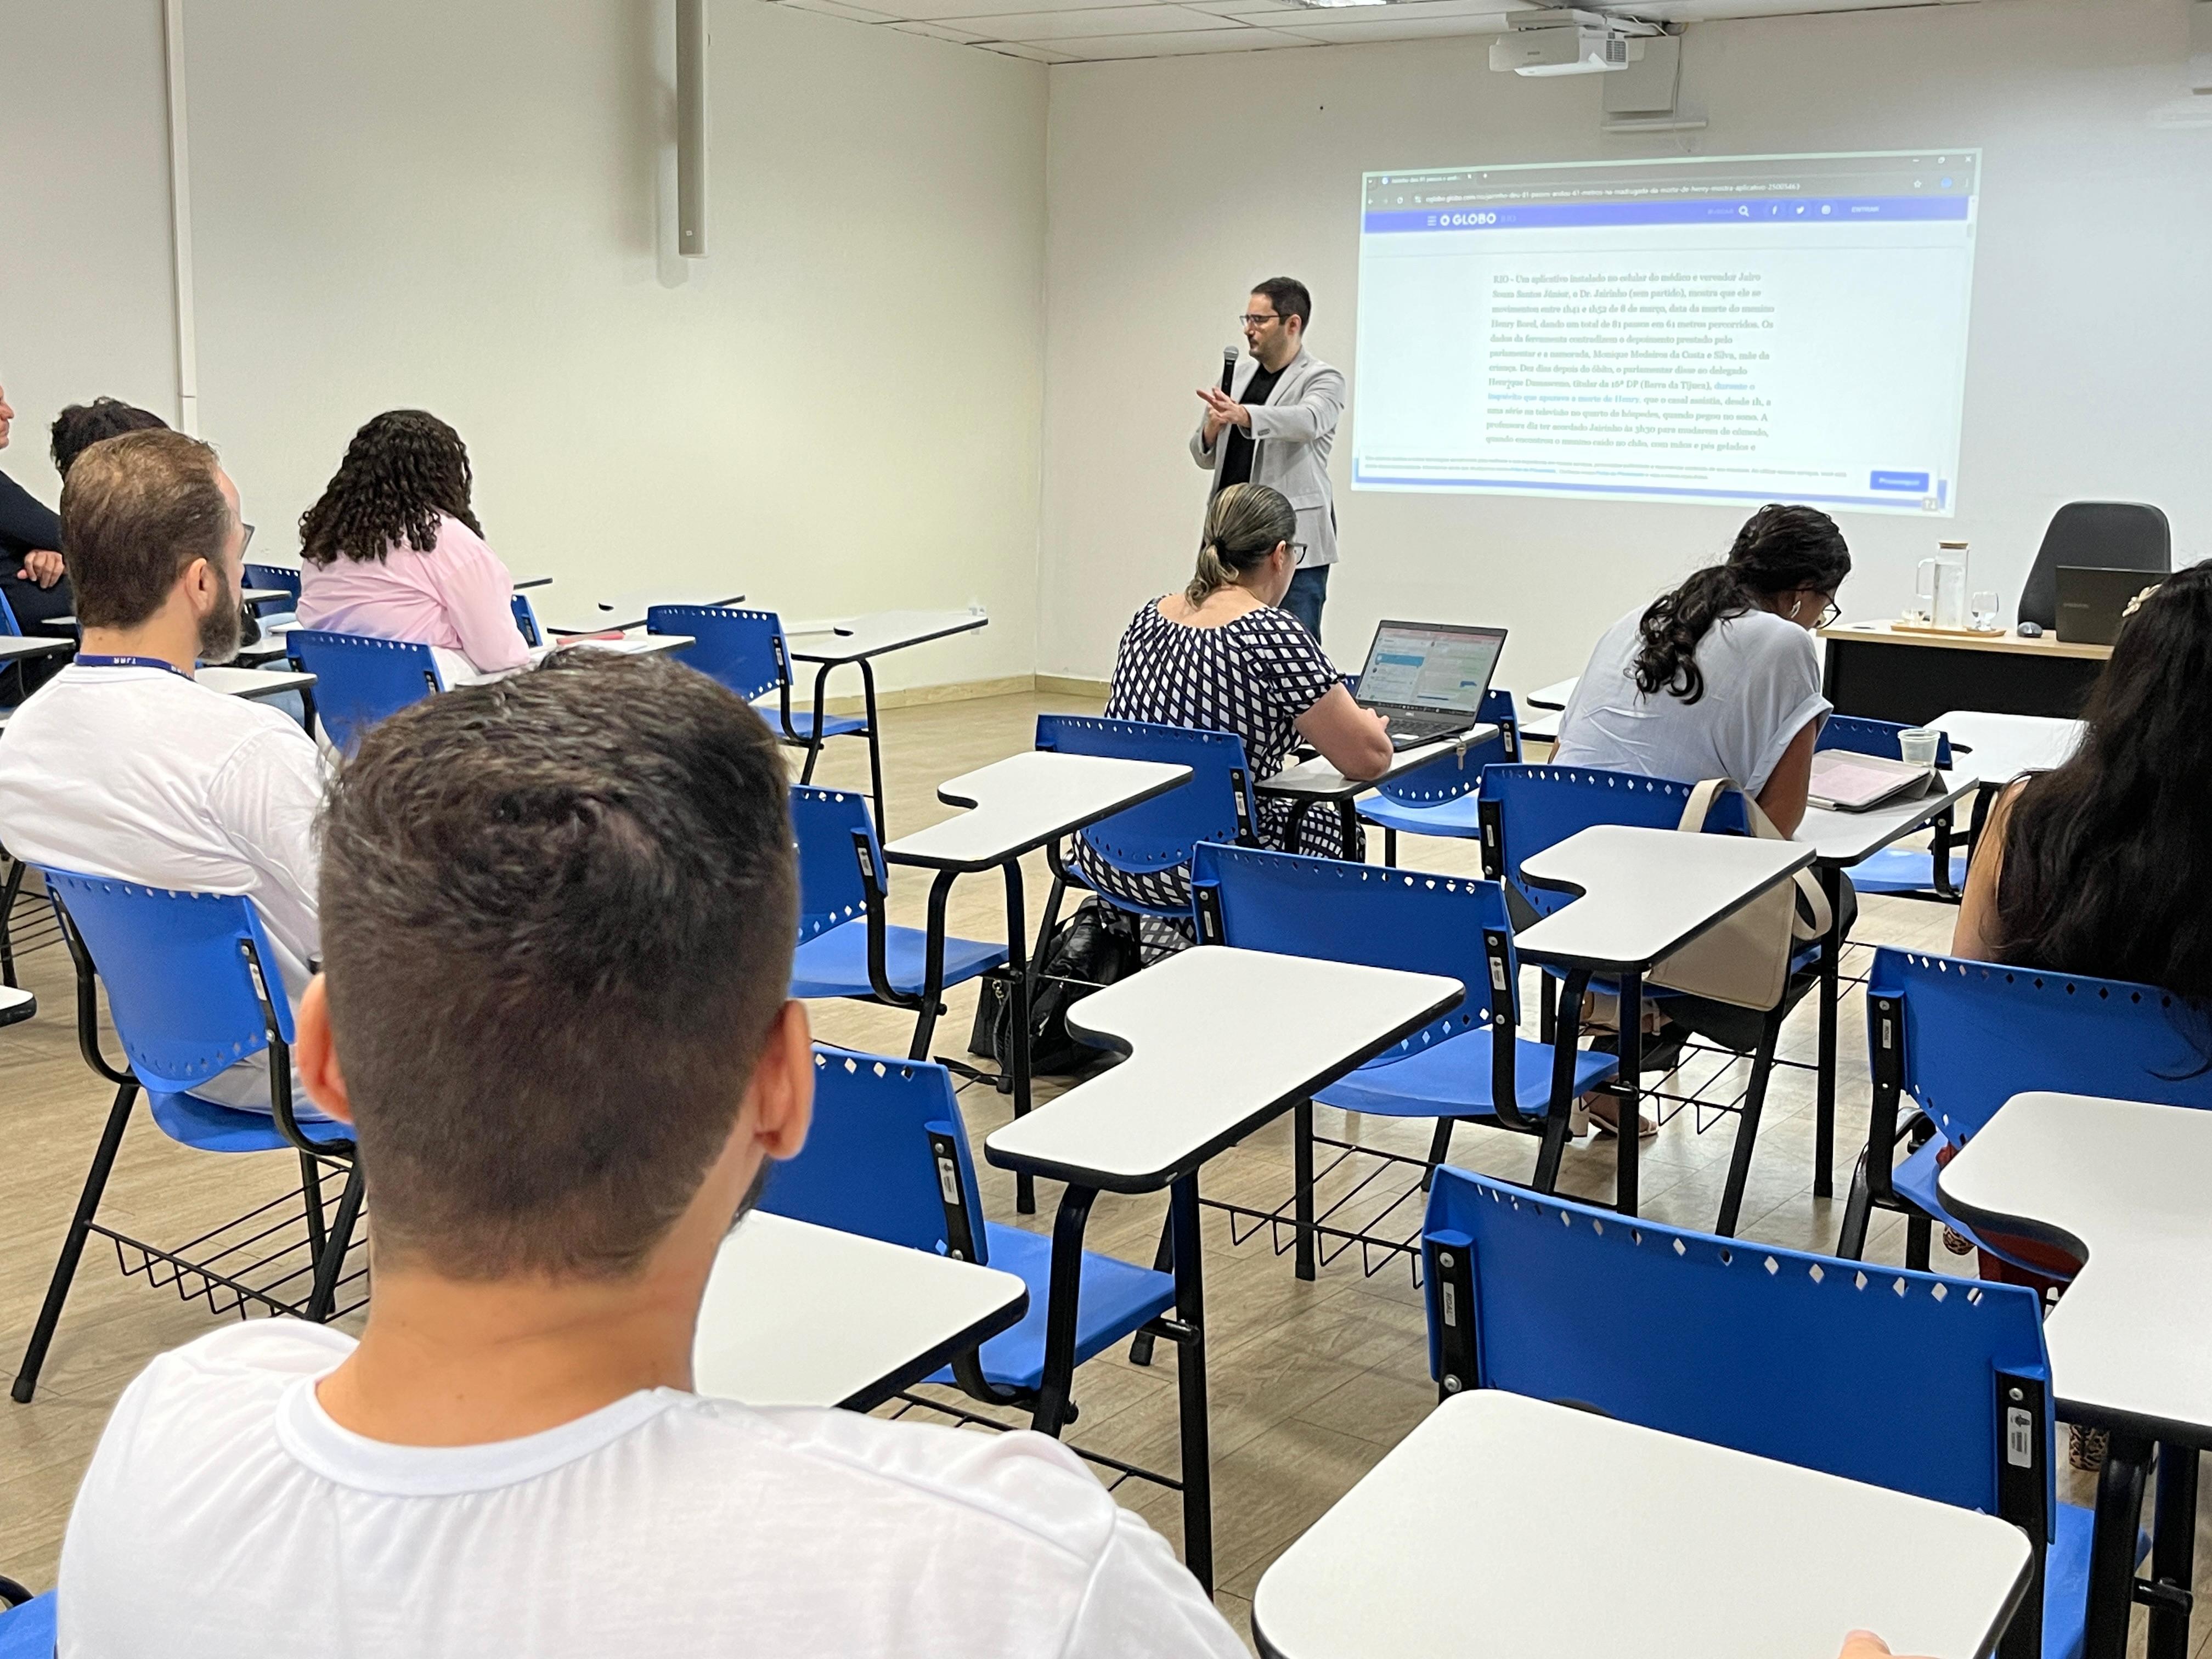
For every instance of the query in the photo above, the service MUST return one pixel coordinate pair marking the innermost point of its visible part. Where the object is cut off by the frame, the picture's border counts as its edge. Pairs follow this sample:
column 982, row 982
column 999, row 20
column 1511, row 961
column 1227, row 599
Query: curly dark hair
column 81, row 426
column 401, row 470
column 1780, row 549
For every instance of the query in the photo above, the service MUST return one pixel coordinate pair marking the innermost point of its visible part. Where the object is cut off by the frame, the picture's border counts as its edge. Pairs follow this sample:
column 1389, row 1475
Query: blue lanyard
column 86, row 660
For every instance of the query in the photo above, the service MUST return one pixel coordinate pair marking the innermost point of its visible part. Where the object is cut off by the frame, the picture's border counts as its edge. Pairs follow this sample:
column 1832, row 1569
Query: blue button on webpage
column 1907, row 483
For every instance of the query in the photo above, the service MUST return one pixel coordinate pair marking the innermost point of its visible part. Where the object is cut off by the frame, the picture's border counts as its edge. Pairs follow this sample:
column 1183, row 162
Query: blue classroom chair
column 1439, row 799
column 1525, row 808
column 847, row 947
column 27, row 1623
column 1162, row 834
column 1960, row 1038
column 1935, row 1387
column 193, row 988
column 274, row 576
column 888, row 1157
column 1469, row 1066
column 745, row 650
column 1937, row 873
column 359, row 680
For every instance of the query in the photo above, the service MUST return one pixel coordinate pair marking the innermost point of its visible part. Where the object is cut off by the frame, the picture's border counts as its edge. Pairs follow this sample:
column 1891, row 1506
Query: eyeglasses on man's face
column 1255, row 319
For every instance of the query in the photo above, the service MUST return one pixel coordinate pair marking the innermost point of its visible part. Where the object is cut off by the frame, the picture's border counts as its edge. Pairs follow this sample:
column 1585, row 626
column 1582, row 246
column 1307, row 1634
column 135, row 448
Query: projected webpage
column 1733, row 330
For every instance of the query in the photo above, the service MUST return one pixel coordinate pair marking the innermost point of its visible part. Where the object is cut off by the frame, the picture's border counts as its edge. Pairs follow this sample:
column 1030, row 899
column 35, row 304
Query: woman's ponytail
column 1780, row 549
column 1244, row 524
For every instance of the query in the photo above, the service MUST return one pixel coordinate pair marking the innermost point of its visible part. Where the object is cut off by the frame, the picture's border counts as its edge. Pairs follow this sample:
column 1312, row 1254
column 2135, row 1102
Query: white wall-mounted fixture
column 1571, row 41
column 1642, row 97
column 691, row 128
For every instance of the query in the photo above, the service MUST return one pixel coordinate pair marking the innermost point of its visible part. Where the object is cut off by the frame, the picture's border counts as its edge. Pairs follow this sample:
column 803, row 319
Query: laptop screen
column 1438, row 666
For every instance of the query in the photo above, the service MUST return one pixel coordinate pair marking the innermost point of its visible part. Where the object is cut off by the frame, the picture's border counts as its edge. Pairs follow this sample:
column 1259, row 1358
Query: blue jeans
column 1309, row 589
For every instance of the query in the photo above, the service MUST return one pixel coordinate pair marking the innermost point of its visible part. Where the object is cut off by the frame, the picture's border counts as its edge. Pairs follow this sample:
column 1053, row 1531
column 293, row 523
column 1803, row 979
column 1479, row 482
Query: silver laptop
column 1428, row 677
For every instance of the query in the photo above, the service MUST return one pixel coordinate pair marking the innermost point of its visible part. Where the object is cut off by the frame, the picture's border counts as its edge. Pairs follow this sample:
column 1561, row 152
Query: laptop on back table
column 1428, row 677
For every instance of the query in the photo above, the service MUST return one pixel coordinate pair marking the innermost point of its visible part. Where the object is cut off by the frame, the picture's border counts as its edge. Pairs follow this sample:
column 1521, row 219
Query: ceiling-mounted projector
column 1569, row 42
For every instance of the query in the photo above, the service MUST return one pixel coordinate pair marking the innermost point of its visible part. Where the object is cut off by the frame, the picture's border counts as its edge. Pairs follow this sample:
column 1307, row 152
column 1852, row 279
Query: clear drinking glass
column 1982, row 611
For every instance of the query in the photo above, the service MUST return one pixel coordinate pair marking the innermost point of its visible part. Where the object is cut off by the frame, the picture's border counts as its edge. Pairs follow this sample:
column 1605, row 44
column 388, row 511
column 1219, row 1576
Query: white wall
column 1174, row 183
column 462, row 208
column 85, row 300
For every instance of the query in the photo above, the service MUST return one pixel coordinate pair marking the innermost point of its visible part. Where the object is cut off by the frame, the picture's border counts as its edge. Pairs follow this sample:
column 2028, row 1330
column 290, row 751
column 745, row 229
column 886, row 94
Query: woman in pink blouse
column 393, row 551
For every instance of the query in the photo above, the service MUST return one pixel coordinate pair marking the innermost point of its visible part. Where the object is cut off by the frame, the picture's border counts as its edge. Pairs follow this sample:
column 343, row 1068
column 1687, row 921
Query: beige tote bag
column 1745, row 960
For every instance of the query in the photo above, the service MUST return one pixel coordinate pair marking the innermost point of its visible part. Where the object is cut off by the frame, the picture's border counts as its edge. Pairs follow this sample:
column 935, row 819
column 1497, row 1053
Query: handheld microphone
column 1228, row 367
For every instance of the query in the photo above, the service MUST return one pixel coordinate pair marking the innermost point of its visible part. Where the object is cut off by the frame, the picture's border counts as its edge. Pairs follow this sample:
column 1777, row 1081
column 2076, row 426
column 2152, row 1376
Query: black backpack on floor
column 1094, row 947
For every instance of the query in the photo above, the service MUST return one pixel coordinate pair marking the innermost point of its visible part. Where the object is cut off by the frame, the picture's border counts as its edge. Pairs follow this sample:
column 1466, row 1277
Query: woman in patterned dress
column 1220, row 657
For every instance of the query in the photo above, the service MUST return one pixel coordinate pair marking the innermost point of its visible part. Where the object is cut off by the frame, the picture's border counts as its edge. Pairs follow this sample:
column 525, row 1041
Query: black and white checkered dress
column 1254, row 676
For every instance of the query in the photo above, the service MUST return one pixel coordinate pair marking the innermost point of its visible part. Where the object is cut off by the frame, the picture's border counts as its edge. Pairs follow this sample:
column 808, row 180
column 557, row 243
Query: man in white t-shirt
column 558, row 915
column 123, row 765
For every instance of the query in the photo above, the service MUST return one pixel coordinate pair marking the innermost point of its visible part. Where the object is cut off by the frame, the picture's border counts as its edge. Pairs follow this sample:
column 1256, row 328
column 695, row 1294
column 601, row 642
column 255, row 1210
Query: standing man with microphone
column 1272, row 421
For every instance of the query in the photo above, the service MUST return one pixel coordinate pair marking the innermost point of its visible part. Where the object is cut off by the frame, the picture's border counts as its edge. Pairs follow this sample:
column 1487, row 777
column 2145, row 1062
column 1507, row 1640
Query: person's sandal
column 2085, row 1447
column 1605, row 1116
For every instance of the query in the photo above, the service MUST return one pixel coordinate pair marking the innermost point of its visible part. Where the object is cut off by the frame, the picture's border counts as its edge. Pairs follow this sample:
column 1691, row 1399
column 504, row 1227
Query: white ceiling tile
column 1390, row 28
column 839, row 9
column 1481, row 14
column 1097, row 48
column 957, row 12
column 1055, row 25
column 941, row 31
column 1711, row 11
column 1066, row 31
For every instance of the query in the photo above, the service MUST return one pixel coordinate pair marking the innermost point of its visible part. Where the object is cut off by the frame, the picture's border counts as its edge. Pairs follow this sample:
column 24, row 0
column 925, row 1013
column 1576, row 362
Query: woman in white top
column 1719, row 679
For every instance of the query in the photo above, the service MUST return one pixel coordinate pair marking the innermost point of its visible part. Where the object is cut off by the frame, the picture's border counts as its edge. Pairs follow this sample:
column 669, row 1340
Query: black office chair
column 2101, row 535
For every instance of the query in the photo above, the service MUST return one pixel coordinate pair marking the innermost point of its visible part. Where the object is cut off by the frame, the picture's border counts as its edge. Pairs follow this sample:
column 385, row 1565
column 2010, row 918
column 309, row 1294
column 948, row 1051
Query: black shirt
column 26, row 523
column 1237, row 442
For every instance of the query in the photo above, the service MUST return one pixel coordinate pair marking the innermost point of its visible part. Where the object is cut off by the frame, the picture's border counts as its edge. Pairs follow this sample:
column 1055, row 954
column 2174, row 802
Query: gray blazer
column 1292, row 433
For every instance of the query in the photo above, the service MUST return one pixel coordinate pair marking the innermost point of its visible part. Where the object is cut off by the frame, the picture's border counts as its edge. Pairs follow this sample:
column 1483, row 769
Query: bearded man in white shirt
column 122, row 764
column 558, row 914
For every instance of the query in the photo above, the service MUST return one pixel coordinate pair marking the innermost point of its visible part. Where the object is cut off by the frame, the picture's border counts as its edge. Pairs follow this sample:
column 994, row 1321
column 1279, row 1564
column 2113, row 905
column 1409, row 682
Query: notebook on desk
column 1848, row 782
column 1429, row 678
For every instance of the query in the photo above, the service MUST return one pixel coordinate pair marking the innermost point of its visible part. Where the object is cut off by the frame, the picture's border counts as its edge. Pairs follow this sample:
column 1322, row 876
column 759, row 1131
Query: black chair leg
column 1140, row 1344
column 1389, row 847
column 1858, row 1212
column 1301, row 1194
column 1919, row 1231
column 8, row 895
column 1746, row 1128
column 88, row 1206
column 311, row 1202
column 330, row 1268
column 1439, row 1149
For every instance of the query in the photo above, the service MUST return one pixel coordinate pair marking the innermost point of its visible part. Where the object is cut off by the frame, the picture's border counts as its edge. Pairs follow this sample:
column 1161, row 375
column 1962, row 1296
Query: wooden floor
column 1311, row 1383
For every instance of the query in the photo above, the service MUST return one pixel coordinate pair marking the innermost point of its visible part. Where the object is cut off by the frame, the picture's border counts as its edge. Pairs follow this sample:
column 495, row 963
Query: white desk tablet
column 1646, row 893
column 1653, row 1546
column 13, row 647
column 1219, row 1041
column 1025, row 800
column 1316, row 779
column 253, row 682
column 1556, row 696
column 1849, row 838
column 855, row 639
column 2000, row 747
column 797, row 1315
column 625, row 611
column 2127, row 1183
column 630, row 645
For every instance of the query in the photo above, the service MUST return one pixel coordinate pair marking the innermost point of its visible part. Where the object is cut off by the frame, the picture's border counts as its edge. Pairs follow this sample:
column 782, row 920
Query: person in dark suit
column 33, row 579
